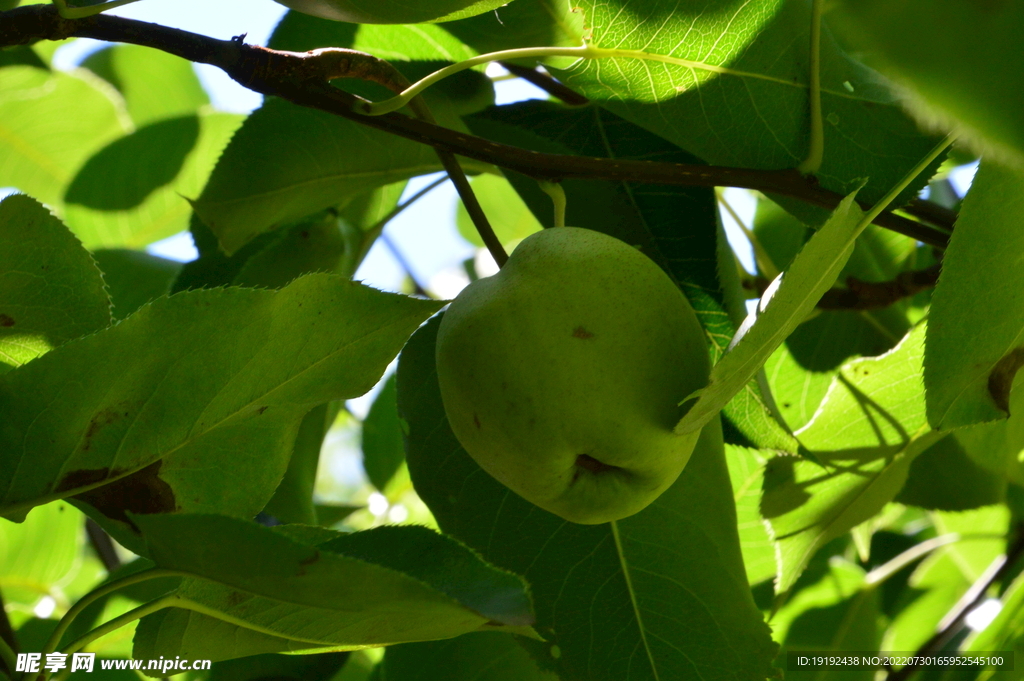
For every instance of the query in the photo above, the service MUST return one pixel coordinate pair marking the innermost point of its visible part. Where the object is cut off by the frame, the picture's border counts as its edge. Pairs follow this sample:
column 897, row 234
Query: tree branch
column 103, row 545
column 302, row 78
column 867, row 295
column 954, row 620
column 546, row 83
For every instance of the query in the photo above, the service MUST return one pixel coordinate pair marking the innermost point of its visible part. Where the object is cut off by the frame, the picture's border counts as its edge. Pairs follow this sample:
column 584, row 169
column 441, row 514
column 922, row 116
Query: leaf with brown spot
column 143, row 491
column 1001, row 379
column 191, row 399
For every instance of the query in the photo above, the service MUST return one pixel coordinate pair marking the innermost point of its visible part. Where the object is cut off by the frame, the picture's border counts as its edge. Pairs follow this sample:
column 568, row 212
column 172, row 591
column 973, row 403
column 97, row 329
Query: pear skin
column 562, row 375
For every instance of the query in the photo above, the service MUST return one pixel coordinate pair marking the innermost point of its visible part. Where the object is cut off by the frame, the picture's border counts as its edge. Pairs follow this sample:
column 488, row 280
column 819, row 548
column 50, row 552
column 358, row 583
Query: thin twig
column 546, row 83
column 418, row 288
column 299, row 78
column 931, row 212
column 103, row 545
column 377, row 229
column 954, row 620
column 866, row 295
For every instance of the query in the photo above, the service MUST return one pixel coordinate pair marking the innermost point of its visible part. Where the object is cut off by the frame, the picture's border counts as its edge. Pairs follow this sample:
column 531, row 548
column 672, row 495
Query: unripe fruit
column 562, row 374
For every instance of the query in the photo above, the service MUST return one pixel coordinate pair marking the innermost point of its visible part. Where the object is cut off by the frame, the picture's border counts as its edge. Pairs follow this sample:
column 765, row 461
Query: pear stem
column 557, row 194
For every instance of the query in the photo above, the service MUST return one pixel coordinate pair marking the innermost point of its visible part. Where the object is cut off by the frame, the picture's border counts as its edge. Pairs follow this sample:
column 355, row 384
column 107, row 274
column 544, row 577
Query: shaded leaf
column 959, row 65
column 976, row 326
column 383, row 449
column 130, row 193
column 155, row 84
column 482, row 655
column 332, row 514
column 50, row 288
column 943, row 477
column 293, row 499
column 279, row 667
column 134, row 278
column 610, row 597
column 226, row 371
column 312, row 245
column 838, row 615
column 380, row 586
column 52, row 123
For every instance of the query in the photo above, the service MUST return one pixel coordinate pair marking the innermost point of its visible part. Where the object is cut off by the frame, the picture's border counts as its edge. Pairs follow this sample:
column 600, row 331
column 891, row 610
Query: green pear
column 562, row 375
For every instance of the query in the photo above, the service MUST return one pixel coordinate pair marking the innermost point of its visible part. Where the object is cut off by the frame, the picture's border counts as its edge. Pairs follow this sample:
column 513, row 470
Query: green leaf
column 392, row 12
column 944, row 477
column 280, row 667
column 293, row 499
column 511, row 219
column 996, row 447
column 383, row 449
column 483, row 655
column 51, row 123
column 524, row 23
column 38, row 555
column 1008, row 626
column 609, row 598
column 415, row 50
column 812, row 272
column 312, row 245
column 50, row 288
column 740, row 97
column 288, row 161
column 381, row 586
column 838, row 614
column 746, row 470
column 107, row 607
column 155, row 84
column 976, row 328
column 329, row 515
column 985, row 530
column 934, row 588
column 800, row 371
column 130, row 193
column 647, row 216
column 225, row 371
column 941, row 579
column 134, row 278
column 960, row 64
column 879, row 403
column 300, row 32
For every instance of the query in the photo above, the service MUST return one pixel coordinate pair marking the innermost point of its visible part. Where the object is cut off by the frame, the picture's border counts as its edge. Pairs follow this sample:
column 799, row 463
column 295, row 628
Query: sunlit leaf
column 50, row 288
column 976, row 326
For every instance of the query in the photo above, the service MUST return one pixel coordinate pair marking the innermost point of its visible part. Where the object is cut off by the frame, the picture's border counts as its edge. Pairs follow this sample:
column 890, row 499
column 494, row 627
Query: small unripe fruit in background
column 562, row 374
